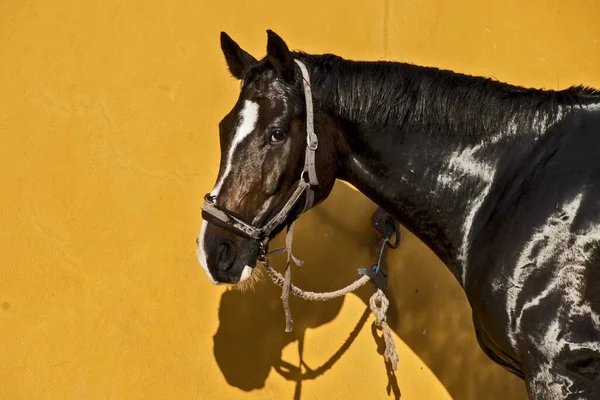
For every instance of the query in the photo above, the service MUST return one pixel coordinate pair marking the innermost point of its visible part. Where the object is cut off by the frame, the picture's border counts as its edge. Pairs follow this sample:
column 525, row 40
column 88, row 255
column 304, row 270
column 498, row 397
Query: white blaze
column 246, row 125
column 247, row 120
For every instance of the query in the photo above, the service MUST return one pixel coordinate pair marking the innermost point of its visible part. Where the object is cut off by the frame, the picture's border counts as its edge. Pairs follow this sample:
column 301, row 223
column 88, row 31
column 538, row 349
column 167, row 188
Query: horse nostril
column 226, row 255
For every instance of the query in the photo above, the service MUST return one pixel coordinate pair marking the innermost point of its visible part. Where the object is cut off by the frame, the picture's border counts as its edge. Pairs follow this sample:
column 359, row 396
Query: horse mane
column 394, row 93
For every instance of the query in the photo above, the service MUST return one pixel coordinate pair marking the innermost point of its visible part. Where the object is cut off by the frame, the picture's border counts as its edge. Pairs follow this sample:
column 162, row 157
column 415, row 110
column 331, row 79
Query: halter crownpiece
column 308, row 179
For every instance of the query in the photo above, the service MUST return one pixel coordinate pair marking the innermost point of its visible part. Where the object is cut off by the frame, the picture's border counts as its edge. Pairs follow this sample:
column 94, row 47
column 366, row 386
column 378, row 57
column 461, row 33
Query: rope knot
column 379, row 305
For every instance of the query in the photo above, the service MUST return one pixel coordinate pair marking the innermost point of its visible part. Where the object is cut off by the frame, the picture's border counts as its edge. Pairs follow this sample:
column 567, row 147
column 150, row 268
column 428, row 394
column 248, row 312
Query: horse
column 501, row 182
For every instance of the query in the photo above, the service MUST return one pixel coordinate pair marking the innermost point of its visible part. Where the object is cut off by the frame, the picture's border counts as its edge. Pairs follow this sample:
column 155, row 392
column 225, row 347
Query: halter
column 308, row 179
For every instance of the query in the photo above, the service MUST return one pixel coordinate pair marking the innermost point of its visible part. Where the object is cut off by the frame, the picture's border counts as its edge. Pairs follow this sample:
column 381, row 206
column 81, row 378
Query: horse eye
column 277, row 135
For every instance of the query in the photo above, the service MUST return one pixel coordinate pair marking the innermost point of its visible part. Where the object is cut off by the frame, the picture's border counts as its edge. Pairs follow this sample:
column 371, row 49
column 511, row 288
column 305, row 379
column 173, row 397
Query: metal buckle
column 209, row 198
column 313, row 142
column 305, row 178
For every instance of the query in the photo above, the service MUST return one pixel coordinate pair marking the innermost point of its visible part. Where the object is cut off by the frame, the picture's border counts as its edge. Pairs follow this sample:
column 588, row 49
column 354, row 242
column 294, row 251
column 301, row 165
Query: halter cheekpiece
column 308, row 179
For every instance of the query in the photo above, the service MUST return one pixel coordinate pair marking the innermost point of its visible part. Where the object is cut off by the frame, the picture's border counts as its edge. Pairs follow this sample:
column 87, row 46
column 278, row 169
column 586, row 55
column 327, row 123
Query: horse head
column 269, row 162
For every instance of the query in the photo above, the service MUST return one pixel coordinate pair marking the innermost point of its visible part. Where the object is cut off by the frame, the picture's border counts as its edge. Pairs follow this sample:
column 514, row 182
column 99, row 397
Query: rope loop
column 378, row 303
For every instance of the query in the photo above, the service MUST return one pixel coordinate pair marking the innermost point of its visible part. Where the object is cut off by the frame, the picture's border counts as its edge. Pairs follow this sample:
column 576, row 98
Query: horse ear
column 238, row 60
column 280, row 56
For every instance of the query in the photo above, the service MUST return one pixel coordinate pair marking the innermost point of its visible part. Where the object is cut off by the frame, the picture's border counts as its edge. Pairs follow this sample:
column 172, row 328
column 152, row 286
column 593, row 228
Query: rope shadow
column 296, row 374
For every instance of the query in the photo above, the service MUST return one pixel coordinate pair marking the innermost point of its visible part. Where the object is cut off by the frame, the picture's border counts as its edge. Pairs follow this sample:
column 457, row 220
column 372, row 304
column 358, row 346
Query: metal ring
column 391, row 222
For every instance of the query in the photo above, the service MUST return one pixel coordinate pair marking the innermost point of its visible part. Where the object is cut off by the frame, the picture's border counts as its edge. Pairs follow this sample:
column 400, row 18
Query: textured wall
column 108, row 140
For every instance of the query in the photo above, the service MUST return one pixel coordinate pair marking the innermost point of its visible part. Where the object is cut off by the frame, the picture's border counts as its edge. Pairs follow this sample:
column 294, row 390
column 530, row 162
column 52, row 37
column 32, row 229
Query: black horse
column 501, row 182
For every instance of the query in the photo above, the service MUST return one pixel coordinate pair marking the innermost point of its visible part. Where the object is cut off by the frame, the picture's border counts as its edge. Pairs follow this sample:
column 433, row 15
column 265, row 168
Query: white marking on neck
column 468, row 227
column 592, row 107
column 247, row 123
column 565, row 257
column 547, row 382
column 555, row 235
column 464, row 164
column 449, row 181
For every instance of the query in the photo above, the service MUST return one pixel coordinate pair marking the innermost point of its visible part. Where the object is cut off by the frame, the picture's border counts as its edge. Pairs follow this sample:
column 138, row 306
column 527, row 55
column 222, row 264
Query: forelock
column 265, row 81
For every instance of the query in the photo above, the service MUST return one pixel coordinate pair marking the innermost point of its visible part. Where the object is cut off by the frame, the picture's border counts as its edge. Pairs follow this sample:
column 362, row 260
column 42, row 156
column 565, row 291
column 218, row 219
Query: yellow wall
column 108, row 140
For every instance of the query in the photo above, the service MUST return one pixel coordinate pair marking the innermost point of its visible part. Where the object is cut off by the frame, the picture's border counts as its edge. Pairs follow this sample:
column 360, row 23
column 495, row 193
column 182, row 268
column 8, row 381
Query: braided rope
column 390, row 354
column 315, row 296
column 378, row 302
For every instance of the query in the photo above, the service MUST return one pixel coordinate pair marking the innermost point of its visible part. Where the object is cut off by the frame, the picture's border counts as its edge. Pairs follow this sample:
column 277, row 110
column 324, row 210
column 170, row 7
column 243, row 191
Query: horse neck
column 425, row 144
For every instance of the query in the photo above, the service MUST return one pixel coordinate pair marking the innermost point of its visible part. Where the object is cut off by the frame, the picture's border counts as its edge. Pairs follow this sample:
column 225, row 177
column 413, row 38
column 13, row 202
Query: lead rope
column 287, row 282
column 378, row 302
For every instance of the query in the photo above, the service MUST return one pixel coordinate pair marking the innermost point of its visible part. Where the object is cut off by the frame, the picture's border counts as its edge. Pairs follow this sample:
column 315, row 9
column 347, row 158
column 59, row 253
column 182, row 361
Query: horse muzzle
column 225, row 258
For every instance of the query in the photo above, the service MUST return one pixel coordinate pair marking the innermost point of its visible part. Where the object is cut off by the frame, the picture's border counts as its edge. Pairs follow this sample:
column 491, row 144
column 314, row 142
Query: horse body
column 501, row 182
column 532, row 273
column 512, row 210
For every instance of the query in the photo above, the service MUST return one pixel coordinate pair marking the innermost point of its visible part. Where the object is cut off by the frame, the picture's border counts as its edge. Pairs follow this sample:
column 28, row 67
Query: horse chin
column 249, row 278
column 248, row 258
column 246, row 273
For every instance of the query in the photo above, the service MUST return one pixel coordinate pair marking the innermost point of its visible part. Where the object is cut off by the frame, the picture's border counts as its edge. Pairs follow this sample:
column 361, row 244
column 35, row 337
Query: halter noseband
column 308, row 179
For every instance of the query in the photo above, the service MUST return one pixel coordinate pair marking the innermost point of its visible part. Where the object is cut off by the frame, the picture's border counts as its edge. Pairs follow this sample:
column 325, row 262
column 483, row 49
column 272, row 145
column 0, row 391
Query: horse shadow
column 428, row 309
